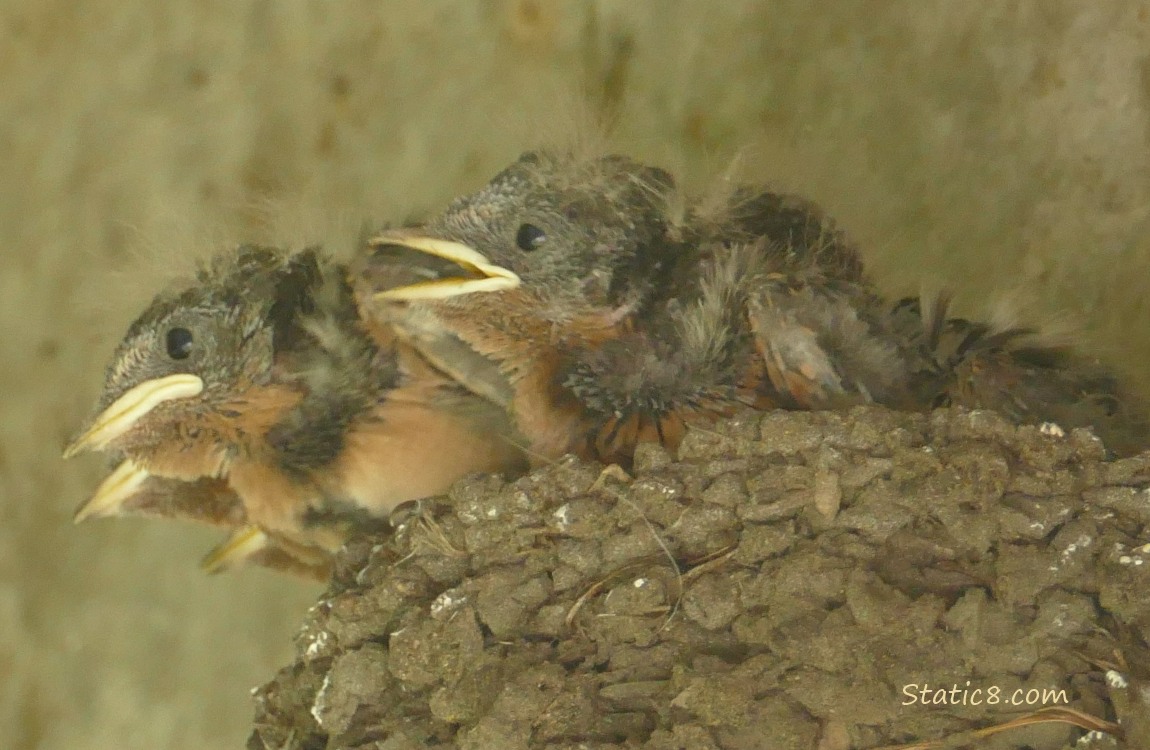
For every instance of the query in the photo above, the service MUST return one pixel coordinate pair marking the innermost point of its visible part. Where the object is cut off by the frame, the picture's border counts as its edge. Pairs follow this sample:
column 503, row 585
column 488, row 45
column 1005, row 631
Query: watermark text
column 925, row 694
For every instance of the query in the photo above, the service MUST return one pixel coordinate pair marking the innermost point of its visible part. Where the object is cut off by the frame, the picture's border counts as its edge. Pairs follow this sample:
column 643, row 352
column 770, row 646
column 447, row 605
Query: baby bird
column 509, row 285
column 603, row 308
column 261, row 374
column 579, row 295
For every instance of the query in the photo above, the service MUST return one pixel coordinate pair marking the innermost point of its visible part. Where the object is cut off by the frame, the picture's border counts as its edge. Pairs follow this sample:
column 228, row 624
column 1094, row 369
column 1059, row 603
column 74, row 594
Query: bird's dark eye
column 529, row 237
column 179, row 343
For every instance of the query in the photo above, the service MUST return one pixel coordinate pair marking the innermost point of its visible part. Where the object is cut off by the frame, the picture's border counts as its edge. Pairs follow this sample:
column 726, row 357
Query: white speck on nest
column 317, row 705
column 562, row 516
column 1143, row 548
column 1051, row 429
column 1081, row 542
column 469, row 513
column 318, row 644
column 1037, row 526
column 639, row 583
column 1130, row 560
column 447, row 601
column 1115, row 679
column 375, row 548
column 1091, row 737
column 492, row 512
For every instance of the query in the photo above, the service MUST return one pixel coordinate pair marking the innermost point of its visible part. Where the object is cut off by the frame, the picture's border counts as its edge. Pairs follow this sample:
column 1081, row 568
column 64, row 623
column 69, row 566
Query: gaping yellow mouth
column 466, row 272
column 113, row 492
column 128, row 409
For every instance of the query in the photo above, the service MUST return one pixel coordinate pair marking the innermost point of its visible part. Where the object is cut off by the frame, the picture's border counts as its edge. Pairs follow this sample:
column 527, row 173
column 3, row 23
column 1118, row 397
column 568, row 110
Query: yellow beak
column 243, row 544
column 478, row 273
column 128, row 409
column 251, row 544
column 113, row 492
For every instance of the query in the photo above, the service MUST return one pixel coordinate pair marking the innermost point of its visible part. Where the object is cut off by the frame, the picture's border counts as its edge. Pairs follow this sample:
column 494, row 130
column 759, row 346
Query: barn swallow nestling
column 583, row 297
column 262, row 375
column 545, row 263
column 602, row 309
column 1019, row 373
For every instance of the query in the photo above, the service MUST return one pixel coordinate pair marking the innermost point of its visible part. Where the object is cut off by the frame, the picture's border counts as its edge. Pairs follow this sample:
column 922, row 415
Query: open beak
column 120, row 486
column 128, row 409
column 442, row 268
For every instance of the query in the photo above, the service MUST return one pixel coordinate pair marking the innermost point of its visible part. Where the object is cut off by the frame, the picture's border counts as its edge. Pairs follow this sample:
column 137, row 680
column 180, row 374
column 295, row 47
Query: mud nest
column 789, row 580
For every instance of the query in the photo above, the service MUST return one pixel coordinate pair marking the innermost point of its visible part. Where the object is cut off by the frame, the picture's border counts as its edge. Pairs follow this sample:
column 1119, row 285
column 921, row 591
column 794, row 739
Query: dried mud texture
column 823, row 562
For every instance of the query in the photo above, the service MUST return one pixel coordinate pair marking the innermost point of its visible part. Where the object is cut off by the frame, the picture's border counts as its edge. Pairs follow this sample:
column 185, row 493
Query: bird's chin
column 126, row 411
column 441, row 269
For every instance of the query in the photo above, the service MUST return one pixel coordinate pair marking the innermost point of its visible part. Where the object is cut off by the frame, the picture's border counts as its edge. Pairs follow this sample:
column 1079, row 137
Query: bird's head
column 564, row 230
column 197, row 347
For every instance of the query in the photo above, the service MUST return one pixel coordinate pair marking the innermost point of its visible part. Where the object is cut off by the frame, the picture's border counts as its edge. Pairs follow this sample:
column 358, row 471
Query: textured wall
column 982, row 147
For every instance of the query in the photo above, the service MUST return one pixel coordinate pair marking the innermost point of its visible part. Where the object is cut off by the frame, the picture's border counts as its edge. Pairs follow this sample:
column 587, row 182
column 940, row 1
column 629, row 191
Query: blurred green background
column 1000, row 149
